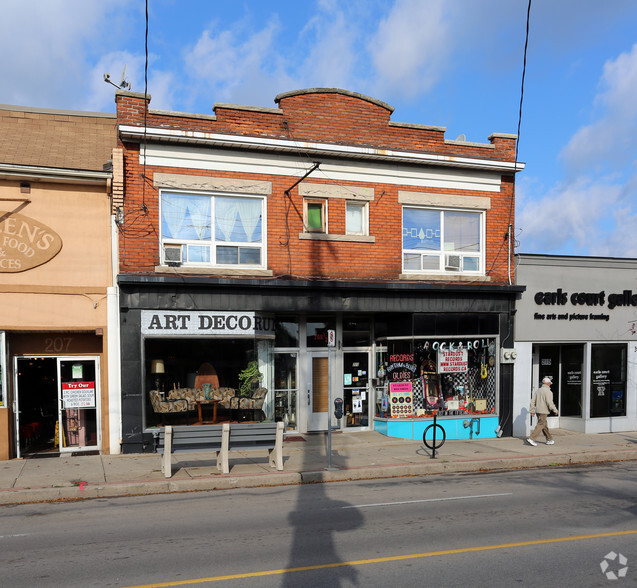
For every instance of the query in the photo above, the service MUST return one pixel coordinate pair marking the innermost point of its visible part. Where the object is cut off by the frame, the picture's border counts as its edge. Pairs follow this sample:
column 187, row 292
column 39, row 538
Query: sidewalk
column 355, row 456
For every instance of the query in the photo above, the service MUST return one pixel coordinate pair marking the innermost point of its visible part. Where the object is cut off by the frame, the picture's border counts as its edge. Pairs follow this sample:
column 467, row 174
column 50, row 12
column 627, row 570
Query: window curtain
column 173, row 209
column 250, row 216
column 225, row 217
column 199, row 209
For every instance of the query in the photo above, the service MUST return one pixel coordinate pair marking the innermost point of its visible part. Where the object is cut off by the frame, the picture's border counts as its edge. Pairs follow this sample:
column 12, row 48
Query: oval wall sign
column 25, row 243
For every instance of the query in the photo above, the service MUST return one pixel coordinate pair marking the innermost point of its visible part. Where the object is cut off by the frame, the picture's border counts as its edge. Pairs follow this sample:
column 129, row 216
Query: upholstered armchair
column 253, row 403
column 164, row 407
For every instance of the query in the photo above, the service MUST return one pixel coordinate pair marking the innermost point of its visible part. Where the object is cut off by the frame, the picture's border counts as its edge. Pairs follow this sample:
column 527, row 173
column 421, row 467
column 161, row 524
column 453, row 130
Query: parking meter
column 338, row 408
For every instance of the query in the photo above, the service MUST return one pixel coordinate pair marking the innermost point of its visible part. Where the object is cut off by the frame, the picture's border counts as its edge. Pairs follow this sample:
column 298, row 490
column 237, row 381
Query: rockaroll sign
column 25, row 243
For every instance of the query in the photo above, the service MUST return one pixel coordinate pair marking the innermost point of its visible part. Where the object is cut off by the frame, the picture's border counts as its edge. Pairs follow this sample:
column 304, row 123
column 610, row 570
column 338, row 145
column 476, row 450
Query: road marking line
column 377, row 560
column 427, row 500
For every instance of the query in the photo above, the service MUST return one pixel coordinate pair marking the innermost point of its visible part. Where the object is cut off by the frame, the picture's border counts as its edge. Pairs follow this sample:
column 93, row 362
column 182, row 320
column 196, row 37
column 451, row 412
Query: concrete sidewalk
column 355, row 456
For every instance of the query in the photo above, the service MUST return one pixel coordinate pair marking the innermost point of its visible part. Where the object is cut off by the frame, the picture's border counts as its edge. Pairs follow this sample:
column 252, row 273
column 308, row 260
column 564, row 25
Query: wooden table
column 214, row 410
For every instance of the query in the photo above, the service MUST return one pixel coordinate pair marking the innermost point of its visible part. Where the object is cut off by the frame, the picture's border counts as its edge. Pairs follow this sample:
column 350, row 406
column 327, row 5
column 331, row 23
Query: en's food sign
column 25, row 243
column 78, row 394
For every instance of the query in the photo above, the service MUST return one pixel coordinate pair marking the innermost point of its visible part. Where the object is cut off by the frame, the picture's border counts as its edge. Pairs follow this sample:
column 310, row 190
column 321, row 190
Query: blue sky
column 451, row 63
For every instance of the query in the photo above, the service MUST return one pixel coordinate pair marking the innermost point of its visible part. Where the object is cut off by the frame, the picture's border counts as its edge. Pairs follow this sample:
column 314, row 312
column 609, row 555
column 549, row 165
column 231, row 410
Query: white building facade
column 577, row 323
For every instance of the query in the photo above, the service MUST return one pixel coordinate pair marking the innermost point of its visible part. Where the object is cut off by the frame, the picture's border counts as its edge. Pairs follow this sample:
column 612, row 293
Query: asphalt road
column 550, row 526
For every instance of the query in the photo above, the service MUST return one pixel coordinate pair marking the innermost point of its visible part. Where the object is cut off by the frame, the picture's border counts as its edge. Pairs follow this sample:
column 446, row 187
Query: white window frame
column 364, row 207
column 211, row 243
column 446, row 258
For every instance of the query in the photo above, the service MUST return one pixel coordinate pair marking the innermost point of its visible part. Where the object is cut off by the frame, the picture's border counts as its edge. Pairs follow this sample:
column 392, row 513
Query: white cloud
column 610, row 143
column 411, row 47
column 571, row 216
column 46, row 49
column 330, row 36
column 221, row 62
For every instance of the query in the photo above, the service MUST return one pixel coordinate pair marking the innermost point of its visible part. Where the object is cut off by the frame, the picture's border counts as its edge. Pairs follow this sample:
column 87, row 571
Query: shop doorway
column 57, row 405
column 356, row 388
column 318, row 390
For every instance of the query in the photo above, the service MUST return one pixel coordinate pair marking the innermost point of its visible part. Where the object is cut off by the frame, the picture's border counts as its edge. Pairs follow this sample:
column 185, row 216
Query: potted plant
column 249, row 378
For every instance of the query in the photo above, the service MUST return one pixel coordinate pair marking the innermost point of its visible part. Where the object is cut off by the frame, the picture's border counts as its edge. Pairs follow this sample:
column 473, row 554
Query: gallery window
column 315, row 216
column 217, row 230
column 442, row 241
column 608, row 380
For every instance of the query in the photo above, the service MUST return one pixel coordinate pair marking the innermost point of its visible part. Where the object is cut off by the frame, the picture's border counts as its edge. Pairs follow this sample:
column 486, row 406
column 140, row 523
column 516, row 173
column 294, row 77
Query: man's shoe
column 550, row 442
column 531, row 442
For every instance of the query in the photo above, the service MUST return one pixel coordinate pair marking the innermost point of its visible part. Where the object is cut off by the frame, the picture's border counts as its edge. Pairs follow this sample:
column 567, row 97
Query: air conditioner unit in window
column 453, row 263
column 173, row 255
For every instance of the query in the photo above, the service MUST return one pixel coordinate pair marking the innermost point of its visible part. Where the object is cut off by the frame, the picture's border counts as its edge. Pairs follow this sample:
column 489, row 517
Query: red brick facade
column 306, row 124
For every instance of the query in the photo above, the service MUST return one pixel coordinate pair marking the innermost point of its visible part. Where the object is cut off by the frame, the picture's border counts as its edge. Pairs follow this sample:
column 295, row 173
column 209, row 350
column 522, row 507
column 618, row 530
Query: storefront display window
column 449, row 377
column 186, row 365
column 285, row 388
column 571, row 380
column 608, row 380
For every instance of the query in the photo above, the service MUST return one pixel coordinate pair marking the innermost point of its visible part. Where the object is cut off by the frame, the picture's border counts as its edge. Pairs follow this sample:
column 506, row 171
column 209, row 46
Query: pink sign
column 400, row 386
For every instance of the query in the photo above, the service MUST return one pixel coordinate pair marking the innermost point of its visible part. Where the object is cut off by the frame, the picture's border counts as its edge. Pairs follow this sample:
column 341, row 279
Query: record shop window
column 212, row 229
column 442, row 241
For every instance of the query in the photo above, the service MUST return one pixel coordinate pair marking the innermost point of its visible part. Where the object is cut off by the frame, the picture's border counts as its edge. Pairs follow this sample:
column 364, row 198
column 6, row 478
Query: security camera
column 107, row 77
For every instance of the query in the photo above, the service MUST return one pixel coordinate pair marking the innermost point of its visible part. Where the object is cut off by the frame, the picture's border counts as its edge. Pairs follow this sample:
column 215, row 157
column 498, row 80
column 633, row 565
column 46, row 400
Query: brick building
column 257, row 234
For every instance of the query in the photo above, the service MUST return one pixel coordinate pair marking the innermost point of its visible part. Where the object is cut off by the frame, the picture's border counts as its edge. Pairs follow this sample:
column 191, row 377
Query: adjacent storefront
column 577, row 324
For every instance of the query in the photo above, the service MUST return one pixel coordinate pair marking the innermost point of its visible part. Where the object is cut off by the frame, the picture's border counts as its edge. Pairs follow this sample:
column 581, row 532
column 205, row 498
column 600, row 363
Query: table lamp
column 158, row 370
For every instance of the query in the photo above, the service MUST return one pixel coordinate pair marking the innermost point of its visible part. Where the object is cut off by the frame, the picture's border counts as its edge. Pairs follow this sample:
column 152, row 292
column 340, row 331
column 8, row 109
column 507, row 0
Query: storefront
column 577, row 324
column 57, row 300
column 454, row 379
column 179, row 334
column 57, row 383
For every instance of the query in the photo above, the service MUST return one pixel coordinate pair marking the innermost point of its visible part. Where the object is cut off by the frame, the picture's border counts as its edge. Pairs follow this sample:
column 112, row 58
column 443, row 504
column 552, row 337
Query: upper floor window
column 218, row 230
column 315, row 215
column 442, row 241
column 356, row 222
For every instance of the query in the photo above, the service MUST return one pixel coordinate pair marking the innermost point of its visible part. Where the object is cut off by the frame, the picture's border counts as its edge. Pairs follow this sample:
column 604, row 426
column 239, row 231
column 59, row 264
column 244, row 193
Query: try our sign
column 78, row 394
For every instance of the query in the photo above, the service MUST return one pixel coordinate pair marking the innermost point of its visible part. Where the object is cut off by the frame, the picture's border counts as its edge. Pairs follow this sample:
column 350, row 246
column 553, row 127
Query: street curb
column 229, row 482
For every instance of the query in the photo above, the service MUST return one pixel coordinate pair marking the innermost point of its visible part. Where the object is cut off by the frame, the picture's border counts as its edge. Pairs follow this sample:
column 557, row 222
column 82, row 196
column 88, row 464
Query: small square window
column 356, row 218
column 315, row 213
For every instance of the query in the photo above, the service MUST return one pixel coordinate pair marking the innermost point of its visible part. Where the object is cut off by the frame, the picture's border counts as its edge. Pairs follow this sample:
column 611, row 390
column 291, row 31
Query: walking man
column 542, row 404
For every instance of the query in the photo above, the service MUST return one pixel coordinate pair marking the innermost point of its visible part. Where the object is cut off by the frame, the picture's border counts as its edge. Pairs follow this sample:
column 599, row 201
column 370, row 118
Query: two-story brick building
column 254, row 234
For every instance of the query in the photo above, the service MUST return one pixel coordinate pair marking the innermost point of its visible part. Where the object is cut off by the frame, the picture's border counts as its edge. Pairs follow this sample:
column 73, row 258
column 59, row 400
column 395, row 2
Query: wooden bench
column 222, row 439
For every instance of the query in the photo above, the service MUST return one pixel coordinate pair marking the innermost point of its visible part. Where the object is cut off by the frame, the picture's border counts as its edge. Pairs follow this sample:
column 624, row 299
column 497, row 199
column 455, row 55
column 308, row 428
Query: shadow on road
column 317, row 521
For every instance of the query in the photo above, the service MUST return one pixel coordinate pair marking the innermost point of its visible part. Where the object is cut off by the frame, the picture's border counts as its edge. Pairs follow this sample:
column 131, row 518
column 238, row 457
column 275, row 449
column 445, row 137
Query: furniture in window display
column 169, row 406
column 197, row 398
column 252, row 403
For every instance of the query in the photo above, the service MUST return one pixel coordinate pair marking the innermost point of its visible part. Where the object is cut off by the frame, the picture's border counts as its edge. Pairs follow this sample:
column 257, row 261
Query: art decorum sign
column 25, row 243
column 207, row 323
